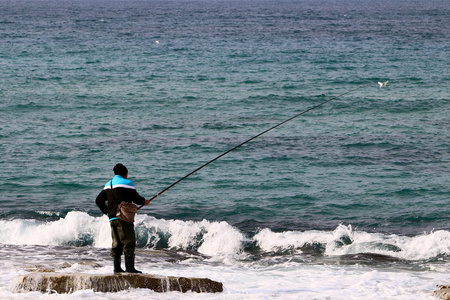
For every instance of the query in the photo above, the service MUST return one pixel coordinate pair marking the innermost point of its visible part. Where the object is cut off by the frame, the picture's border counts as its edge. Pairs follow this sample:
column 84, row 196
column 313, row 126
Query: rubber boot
column 129, row 265
column 117, row 267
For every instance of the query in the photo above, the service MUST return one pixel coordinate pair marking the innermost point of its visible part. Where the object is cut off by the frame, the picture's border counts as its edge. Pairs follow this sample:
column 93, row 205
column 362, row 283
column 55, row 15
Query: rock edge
column 69, row 283
column 442, row 291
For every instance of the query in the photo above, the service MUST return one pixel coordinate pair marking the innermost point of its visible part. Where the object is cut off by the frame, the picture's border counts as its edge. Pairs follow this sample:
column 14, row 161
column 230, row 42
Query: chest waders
column 123, row 241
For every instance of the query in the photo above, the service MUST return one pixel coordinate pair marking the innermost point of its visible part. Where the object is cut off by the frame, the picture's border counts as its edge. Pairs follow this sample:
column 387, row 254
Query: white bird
column 382, row 84
column 156, row 42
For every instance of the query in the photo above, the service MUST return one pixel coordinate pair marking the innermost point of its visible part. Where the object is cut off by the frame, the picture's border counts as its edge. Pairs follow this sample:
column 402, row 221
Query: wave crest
column 221, row 239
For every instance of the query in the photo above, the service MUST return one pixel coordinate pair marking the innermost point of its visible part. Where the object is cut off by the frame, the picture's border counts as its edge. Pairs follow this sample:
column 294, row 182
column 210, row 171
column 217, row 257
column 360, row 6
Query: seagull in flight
column 382, row 84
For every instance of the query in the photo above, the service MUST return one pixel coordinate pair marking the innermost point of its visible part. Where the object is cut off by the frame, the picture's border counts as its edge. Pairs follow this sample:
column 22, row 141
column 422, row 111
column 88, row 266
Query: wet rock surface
column 68, row 283
column 442, row 292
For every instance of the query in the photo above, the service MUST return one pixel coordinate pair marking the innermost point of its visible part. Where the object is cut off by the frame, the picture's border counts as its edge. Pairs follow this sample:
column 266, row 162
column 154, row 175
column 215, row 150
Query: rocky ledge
column 442, row 292
column 68, row 283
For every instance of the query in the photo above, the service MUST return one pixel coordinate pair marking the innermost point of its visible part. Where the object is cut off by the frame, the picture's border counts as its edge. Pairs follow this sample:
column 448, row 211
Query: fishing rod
column 251, row 139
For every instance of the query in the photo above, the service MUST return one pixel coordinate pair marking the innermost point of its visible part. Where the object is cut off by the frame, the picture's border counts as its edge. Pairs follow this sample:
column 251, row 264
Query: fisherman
column 123, row 237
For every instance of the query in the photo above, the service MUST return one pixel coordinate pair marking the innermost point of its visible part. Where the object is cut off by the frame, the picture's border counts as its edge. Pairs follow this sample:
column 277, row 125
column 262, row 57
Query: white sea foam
column 49, row 213
column 220, row 238
column 245, row 279
column 72, row 228
column 284, row 281
column 209, row 238
column 345, row 241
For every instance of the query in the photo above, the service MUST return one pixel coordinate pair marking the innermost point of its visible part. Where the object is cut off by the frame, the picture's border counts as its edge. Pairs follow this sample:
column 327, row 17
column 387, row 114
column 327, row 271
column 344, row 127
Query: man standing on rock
column 116, row 191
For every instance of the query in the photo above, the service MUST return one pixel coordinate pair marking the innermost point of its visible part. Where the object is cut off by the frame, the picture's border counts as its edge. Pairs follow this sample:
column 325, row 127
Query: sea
column 349, row 200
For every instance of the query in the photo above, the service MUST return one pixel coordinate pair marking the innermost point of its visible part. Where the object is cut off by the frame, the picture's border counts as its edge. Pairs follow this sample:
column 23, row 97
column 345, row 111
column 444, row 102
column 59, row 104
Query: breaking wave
column 221, row 239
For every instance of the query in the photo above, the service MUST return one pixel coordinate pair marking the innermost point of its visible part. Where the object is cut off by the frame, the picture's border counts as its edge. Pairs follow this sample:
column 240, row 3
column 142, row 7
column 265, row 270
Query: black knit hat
column 120, row 169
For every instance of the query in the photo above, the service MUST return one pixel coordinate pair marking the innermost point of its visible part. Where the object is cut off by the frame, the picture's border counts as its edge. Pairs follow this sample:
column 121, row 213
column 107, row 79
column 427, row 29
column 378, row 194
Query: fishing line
column 251, row 139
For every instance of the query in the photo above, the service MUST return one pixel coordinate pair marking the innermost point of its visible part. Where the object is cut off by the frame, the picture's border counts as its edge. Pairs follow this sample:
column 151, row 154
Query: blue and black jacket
column 115, row 191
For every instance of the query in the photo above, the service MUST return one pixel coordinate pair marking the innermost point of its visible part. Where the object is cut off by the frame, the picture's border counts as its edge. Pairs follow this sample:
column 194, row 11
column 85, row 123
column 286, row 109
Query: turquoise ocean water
column 165, row 86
